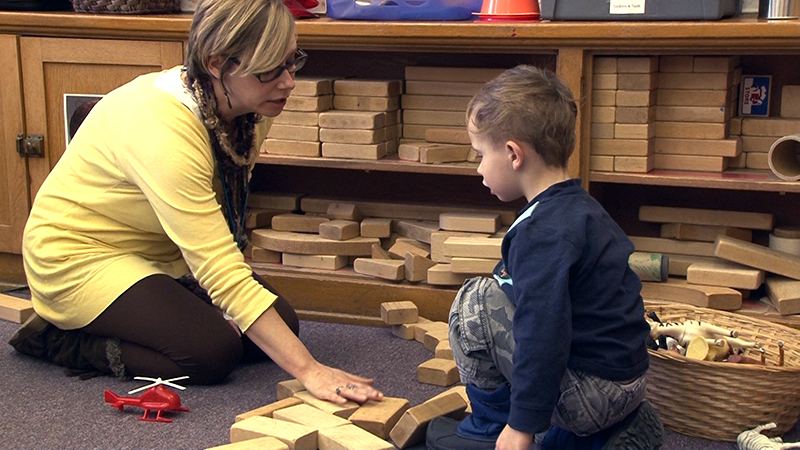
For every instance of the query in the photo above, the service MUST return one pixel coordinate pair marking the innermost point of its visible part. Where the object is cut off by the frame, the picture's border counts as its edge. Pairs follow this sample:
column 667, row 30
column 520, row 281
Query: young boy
column 557, row 337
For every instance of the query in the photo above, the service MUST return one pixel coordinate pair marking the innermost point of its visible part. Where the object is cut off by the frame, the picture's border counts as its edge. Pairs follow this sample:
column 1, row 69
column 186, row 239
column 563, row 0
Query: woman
column 143, row 218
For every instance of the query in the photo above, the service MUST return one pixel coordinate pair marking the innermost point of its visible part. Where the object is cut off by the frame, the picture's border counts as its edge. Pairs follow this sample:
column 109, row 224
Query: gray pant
column 482, row 340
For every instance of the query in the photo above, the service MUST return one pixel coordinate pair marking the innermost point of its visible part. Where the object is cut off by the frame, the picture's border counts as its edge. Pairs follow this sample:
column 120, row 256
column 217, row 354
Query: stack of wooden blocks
column 713, row 262
column 295, row 131
column 669, row 113
column 389, row 241
column 759, row 133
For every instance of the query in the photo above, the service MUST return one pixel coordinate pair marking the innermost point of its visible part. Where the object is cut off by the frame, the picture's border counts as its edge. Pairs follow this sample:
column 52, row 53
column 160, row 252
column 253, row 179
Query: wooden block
column 769, row 126
column 636, row 114
column 309, row 416
column 265, row 200
column 435, row 102
column 758, row 256
column 709, row 114
column 604, row 97
column 636, row 98
column 416, row 267
column 454, row 74
column 604, row 114
column 760, row 144
column 410, row 429
column 784, row 294
column 693, row 97
column 419, row 230
column 359, row 120
column 268, row 410
column 325, row 262
column 469, row 222
column 288, row 388
column 309, row 244
column 735, row 126
column 297, row 437
column 262, row 443
column 311, row 86
column 738, row 219
column 375, row 88
column 437, row 243
column 715, row 64
column 354, row 151
column 351, row 437
column 726, row 274
column 670, row 246
column 346, row 136
column 637, row 81
column 471, row 247
column 262, row 255
column 409, row 151
column 445, row 135
column 460, row 390
column 379, row 253
column 704, row 233
column 388, row 269
column 344, row 410
column 622, row 147
column 15, row 309
column 376, row 227
column 439, row 372
column 415, row 211
column 604, row 81
column 298, row 223
column 294, row 132
column 292, row 147
column 309, row 119
column 422, row 328
column 730, row 147
column 680, row 81
column 676, row 290
column 605, row 64
column 260, row 218
column 676, row 63
column 339, row 230
column 407, row 331
column 637, row 64
column 790, row 101
column 442, row 118
column 679, row 264
column 344, row 211
column 691, row 130
column 396, row 313
column 691, row 163
column 447, row 88
column 599, row 163
column 309, row 104
column 643, row 131
column 443, row 350
column 442, row 153
column 380, row 417
column 432, row 338
column 399, row 249
column 634, row 164
column 473, row 265
column 365, row 103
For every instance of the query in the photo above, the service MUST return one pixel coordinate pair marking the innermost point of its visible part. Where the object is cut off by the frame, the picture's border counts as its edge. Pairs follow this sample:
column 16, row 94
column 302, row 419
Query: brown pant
column 167, row 331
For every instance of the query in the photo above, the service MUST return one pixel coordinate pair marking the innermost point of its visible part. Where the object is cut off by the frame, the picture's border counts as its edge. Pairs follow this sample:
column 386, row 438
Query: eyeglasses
column 291, row 66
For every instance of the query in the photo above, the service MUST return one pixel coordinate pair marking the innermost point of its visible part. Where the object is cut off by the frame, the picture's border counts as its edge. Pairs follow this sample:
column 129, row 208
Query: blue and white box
column 754, row 97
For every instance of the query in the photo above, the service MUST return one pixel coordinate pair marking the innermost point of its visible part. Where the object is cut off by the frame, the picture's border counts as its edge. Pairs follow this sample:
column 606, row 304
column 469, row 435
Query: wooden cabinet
column 83, row 53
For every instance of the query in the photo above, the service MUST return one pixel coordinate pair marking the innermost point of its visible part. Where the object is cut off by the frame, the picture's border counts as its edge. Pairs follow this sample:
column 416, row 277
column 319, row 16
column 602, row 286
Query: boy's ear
column 515, row 154
column 215, row 64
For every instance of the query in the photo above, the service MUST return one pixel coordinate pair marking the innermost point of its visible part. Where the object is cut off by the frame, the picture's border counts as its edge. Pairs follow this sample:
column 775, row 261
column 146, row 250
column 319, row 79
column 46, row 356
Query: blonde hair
column 257, row 32
column 531, row 105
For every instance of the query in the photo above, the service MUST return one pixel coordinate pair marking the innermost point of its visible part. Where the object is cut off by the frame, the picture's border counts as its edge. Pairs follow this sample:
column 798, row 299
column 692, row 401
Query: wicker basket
column 719, row 400
column 127, row 6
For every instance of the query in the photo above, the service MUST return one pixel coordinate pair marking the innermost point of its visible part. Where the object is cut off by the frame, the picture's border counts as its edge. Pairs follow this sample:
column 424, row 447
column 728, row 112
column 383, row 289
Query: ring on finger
column 339, row 390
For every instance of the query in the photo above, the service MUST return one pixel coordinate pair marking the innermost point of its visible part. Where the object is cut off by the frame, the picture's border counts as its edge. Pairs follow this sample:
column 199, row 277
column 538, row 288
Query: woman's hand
column 338, row 386
column 511, row 439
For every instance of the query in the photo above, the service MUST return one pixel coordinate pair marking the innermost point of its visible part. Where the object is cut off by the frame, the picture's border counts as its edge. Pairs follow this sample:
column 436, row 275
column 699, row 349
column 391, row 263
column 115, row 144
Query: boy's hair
column 528, row 104
column 256, row 32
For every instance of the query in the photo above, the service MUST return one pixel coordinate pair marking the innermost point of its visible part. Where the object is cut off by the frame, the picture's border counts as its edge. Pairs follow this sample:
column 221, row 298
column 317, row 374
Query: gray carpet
column 44, row 409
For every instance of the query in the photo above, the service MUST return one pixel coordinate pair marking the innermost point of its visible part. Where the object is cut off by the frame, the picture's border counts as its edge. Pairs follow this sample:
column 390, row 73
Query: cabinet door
column 14, row 202
column 52, row 67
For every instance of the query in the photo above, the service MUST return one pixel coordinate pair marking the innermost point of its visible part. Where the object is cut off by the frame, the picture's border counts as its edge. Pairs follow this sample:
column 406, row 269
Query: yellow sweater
column 133, row 196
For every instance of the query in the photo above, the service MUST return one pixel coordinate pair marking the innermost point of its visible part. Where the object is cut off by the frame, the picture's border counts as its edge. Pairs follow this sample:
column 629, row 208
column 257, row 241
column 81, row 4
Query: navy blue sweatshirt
column 578, row 303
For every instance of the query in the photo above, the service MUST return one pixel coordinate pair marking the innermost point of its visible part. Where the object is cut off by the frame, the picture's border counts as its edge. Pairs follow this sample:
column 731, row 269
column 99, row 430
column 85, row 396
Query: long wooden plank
column 757, row 256
column 680, row 291
column 311, row 244
column 740, row 219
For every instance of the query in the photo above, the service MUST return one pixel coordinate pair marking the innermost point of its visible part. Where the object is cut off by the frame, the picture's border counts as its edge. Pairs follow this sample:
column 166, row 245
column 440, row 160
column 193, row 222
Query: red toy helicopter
column 157, row 397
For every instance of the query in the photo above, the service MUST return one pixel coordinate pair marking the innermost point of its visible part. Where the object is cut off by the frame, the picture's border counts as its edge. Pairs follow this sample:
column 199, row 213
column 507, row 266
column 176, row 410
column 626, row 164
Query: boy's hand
column 511, row 439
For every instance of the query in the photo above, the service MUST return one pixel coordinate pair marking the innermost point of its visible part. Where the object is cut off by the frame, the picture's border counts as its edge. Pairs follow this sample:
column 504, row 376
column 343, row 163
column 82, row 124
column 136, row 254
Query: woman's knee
column 212, row 361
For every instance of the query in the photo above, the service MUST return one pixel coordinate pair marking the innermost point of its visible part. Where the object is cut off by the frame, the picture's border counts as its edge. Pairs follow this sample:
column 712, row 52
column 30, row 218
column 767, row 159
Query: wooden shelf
column 390, row 163
column 740, row 179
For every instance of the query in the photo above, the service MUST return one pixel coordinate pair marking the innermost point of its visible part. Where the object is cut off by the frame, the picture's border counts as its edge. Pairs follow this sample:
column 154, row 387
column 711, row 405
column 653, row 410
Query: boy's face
column 496, row 167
